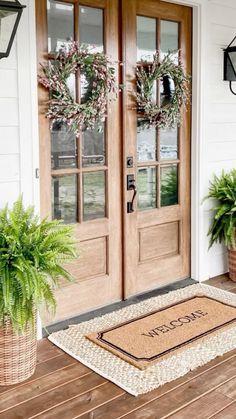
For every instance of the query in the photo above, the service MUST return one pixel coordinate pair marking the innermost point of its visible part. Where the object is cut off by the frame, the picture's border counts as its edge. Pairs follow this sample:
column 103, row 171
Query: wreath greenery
column 167, row 114
column 100, row 79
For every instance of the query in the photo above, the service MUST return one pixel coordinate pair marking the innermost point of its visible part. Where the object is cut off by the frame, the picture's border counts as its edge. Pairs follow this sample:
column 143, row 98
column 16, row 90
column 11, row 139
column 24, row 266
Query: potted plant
column 32, row 255
column 223, row 228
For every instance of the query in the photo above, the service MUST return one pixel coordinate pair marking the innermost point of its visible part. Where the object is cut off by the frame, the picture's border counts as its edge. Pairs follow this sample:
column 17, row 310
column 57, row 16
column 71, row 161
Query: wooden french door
column 81, row 178
column 84, row 180
column 157, row 233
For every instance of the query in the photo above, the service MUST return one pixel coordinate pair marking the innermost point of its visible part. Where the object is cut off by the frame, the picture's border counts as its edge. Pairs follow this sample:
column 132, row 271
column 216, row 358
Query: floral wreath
column 168, row 114
column 101, row 81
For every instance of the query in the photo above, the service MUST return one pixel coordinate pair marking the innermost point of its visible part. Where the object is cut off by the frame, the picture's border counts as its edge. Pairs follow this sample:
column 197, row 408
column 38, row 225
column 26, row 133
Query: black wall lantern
column 230, row 64
column 10, row 14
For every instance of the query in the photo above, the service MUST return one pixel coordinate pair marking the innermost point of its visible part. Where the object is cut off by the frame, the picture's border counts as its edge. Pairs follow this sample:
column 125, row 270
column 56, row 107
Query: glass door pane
column 169, row 41
column 60, row 24
column 146, row 38
column 146, row 184
column 91, row 27
column 157, row 185
column 93, row 141
column 169, row 185
column 64, row 198
column 93, row 195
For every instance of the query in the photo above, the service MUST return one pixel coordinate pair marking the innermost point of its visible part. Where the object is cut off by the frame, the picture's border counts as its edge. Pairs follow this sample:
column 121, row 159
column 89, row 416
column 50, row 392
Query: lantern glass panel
column 7, row 23
column 232, row 56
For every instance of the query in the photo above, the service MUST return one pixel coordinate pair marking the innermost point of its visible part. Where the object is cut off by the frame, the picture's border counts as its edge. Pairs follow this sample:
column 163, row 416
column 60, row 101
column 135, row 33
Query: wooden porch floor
column 62, row 388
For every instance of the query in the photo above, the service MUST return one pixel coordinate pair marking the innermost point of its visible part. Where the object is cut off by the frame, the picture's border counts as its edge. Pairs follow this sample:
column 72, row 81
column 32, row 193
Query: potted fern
column 223, row 228
column 32, row 255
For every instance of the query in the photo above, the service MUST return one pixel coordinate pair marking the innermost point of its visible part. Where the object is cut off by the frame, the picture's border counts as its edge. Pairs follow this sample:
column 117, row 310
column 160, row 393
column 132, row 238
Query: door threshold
column 55, row 327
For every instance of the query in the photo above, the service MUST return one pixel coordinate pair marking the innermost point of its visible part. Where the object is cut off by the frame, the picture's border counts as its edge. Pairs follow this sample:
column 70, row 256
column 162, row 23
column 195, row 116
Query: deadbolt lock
column 129, row 162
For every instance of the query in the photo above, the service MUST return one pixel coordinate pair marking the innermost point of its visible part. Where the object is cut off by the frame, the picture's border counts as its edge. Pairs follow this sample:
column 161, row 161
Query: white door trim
column 198, row 153
column 28, row 105
column 28, row 111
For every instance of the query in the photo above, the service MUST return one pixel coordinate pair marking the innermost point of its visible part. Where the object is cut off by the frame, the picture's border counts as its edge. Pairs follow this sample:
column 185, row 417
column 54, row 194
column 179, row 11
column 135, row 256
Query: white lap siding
column 18, row 115
column 221, row 113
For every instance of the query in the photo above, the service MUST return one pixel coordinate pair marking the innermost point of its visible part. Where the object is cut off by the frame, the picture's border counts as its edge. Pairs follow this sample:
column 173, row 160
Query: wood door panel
column 158, row 241
column 154, row 217
column 94, row 250
column 72, row 300
column 162, row 233
column 161, row 10
column 160, row 272
column 90, row 230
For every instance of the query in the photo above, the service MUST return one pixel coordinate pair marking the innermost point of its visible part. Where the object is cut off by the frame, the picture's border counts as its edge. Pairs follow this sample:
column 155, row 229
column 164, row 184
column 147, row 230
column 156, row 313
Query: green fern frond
column 223, row 189
column 32, row 259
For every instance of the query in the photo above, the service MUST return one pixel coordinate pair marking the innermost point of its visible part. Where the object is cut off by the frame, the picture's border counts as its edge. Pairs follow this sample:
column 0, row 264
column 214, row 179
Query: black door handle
column 131, row 186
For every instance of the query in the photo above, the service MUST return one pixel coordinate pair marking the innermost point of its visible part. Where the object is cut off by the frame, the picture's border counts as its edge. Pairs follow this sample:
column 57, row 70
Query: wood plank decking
column 62, row 388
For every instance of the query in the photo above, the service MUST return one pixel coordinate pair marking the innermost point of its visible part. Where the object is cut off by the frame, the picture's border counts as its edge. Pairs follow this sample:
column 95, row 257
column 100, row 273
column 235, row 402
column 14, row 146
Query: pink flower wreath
column 101, row 82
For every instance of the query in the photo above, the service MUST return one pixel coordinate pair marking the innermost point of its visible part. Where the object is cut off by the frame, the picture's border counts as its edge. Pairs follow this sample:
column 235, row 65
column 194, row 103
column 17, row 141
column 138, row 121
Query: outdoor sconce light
column 230, row 64
column 10, row 14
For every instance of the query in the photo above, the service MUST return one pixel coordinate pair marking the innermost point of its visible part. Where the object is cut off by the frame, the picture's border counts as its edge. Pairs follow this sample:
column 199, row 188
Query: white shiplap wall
column 18, row 115
column 220, row 106
column 9, row 129
column 19, row 125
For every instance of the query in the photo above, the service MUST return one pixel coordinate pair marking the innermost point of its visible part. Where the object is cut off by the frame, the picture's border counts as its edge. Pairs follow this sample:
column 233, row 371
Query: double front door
column 85, row 181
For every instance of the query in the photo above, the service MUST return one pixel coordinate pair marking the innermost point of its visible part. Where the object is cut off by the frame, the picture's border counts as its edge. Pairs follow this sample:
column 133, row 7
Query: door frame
column 199, row 182
column 199, row 242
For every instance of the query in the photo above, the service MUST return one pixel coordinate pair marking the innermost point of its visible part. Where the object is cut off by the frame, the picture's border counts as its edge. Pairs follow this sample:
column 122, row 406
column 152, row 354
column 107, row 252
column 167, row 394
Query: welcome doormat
column 143, row 341
column 200, row 316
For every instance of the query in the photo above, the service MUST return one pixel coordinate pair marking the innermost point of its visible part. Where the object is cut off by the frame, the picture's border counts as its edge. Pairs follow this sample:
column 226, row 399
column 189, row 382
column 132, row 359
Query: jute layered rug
column 156, row 341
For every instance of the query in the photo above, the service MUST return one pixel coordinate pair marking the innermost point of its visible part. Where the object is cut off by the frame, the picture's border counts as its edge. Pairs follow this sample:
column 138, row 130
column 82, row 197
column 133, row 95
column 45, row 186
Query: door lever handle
column 131, row 186
column 130, row 204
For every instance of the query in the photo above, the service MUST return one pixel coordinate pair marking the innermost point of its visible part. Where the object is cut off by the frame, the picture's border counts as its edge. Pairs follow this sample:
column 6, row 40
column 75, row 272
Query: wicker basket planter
column 32, row 258
column 17, row 354
column 232, row 264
